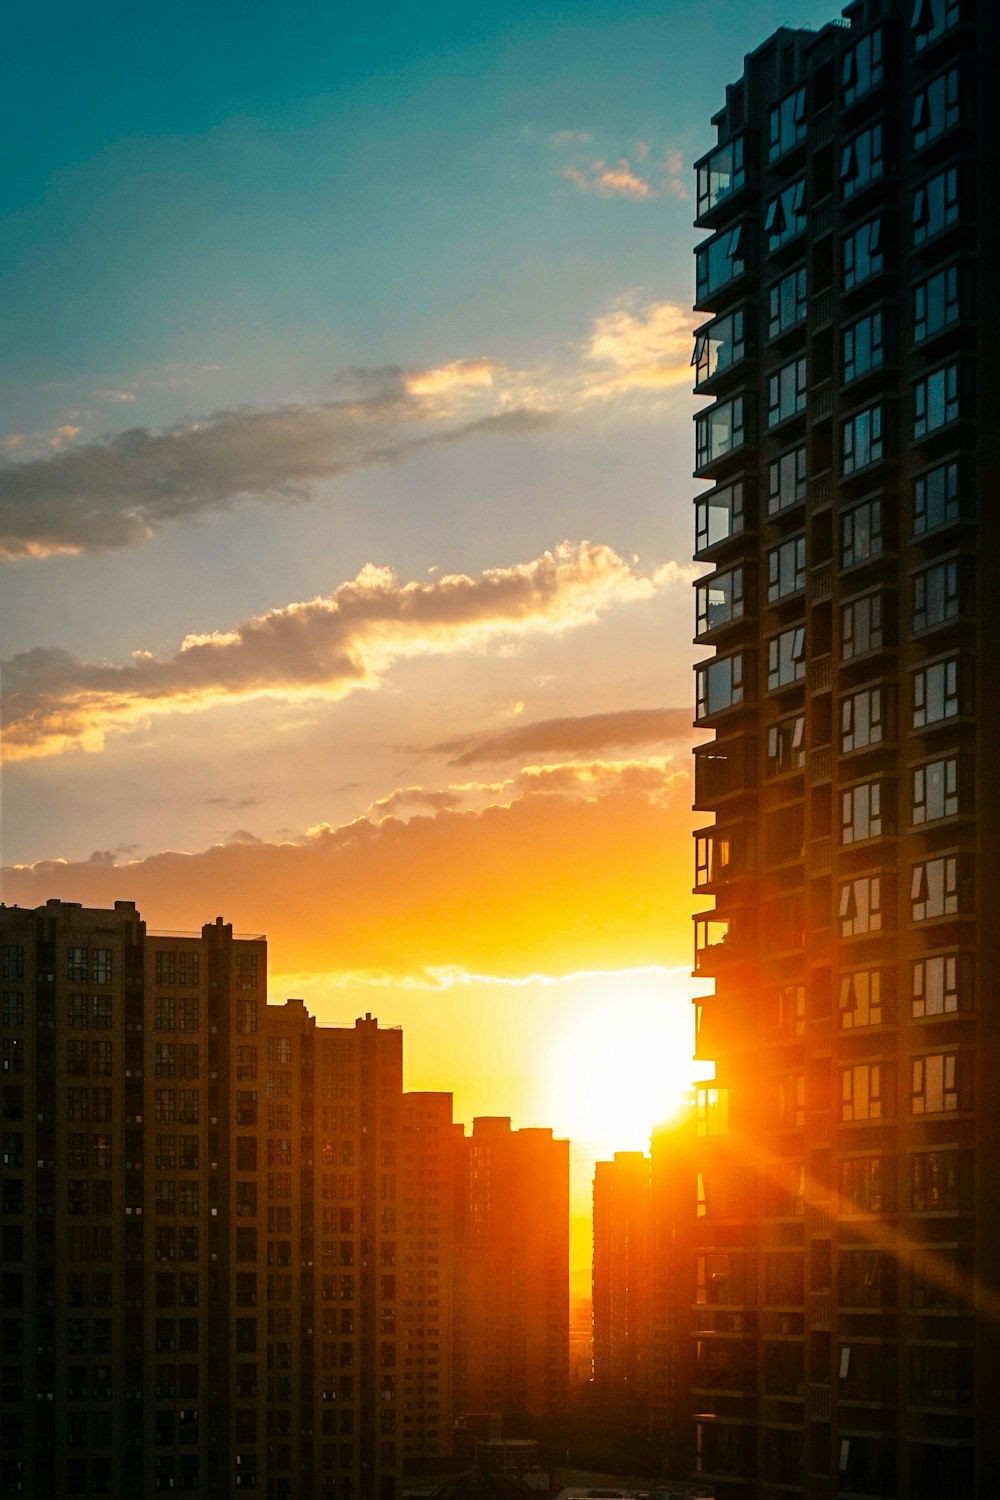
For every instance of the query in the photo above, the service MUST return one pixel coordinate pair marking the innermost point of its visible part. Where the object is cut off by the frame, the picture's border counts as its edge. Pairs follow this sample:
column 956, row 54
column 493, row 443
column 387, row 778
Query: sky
column 345, row 511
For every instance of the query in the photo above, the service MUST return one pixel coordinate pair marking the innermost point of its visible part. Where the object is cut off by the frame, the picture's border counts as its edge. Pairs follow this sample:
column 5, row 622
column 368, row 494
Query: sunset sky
column 345, row 510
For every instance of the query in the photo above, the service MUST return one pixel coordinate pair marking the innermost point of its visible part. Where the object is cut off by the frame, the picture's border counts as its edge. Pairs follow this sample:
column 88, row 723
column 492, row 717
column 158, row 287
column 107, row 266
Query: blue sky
column 345, row 453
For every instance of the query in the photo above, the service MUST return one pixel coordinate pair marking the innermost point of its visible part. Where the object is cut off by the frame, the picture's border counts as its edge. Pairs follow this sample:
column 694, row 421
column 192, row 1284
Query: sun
column 622, row 1062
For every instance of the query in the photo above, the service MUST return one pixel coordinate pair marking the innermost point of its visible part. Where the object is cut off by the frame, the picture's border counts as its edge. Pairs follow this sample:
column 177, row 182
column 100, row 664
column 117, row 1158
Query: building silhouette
column 234, row 1253
column 623, row 1276
column 513, row 1274
column 848, row 1244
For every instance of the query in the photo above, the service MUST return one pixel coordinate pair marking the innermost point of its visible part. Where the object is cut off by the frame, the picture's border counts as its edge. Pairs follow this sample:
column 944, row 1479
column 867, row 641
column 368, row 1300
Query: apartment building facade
column 202, row 1239
column 623, row 1275
column 848, row 1243
column 512, row 1273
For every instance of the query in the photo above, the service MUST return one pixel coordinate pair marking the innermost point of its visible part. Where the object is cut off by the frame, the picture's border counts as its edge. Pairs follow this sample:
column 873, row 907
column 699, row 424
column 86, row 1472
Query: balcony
column 723, row 769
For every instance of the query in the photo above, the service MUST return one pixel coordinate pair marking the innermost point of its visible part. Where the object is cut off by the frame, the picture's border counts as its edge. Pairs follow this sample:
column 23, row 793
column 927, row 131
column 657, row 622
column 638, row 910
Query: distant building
column 513, row 1282
column 623, row 1245
column 848, row 1223
column 226, row 1250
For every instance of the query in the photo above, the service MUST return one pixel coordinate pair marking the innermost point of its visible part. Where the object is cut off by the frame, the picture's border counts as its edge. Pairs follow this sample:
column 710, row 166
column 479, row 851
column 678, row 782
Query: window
column 77, row 1013
column 718, row 516
column 861, row 813
column 13, row 961
column 246, row 1061
column 786, row 481
column 719, row 346
column 166, row 967
column 720, row 261
column 868, row 1183
column 719, row 685
column 931, row 19
column 165, row 1106
column 860, row 906
column 935, row 595
column 862, row 719
column 786, row 658
column 13, row 1008
column 935, row 889
column 790, row 1010
column 861, row 67
column 246, row 971
column 941, row 1181
column 788, row 1100
column 936, row 400
column 76, row 965
column 935, row 790
column 246, row 1017
column 864, row 346
column 189, row 1106
column 279, row 1049
column 785, row 217
column 935, row 109
column 786, row 569
column 786, row 302
column 942, row 985
column 786, row 392
column 187, row 969
column 861, row 627
column 860, row 999
column 935, row 498
column 862, row 161
column 936, row 303
column 720, row 600
column 861, row 440
column 863, row 1092
column 100, row 966
column 861, row 533
column 863, row 257
column 188, row 1013
column 165, row 1065
column 941, row 1083
column 936, row 693
column 786, row 746
column 786, row 124
column 721, row 174
column 720, row 430
column 935, row 205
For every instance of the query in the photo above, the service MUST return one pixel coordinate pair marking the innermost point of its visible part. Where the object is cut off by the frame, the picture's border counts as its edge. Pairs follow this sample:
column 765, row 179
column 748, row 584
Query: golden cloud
column 324, row 648
column 549, row 884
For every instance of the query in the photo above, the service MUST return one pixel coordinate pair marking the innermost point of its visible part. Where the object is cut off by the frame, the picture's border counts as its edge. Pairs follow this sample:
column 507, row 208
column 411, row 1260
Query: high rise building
column 623, row 1247
column 212, row 1251
column 848, row 1224
column 513, row 1273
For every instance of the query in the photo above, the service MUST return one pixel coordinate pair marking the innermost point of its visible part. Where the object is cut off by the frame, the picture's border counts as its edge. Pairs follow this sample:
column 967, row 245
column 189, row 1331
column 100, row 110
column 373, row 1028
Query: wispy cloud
column 64, row 495
column 322, row 648
column 640, row 172
column 114, row 493
column 584, row 733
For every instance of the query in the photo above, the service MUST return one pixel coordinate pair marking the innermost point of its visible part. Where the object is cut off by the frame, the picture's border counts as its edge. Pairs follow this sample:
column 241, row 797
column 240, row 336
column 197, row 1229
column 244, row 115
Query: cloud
column 549, row 884
column 589, row 732
column 459, row 374
column 119, row 491
column 640, row 348
column 617, row 180
column 324, row 648
column 658, row 776
column 446, row 800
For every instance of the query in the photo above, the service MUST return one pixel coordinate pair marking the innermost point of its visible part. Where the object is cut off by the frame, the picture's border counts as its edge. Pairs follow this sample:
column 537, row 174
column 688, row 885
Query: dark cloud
column 121, row 490
column 589, row 732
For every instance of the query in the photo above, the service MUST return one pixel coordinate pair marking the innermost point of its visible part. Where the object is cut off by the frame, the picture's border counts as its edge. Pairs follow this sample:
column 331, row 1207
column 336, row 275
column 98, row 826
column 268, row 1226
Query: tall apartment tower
column 622, row 1275
column 201, row 1241
column 848, row 1217
column 513, row 1273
